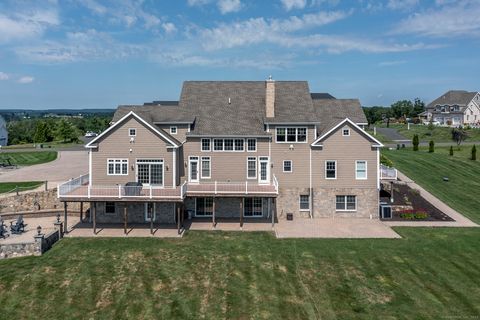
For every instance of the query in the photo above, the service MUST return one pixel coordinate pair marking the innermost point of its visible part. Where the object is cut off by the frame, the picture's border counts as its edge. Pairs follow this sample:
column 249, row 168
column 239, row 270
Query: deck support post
column 125, row 213
column 93, row 210
column 65, row 206
column 214, row 224
column 81, row 211
column 241, row 213
column 274, row 209
column 179, row 224
column 151, row 218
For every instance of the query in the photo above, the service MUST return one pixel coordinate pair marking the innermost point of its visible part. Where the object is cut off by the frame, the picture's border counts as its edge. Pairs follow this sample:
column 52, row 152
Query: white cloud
column 402, row 4
column 4, row 76
column 169, row 27
column 293, row 4
column 391, row 63
column 197, row 2
column 94, row 6
column 227, row 6
column 25, row 79
column 27, row 24
column 448, row 21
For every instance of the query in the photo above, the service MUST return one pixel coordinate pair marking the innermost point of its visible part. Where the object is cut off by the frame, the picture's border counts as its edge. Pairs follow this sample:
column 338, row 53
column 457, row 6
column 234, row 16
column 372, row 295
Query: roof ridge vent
column 229, row 100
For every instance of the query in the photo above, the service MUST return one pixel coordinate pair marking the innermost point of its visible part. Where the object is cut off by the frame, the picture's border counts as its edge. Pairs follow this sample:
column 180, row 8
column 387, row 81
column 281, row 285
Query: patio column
column 274, row 209
column 65, row 205
column 81, row 211
column 93, row 210
column 178, row 219
column 125, row 214
column 151, row 217
column 213, row 213
column 241, row 213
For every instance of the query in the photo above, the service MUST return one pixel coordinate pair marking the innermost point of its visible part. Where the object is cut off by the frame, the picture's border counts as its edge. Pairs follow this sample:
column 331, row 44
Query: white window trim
column 174, row 127
column 356, row 170
column 209, row 169
column 255, row 144
column 117, row 159
column 145, row 206
column 253, row 216
column 234, row 146
column 160, row 160
column 300, row 202
column 296, row 135
column 336, row 168
column 209, row 145
column 202, row 216
column 256, row 167
column 345, row 197
column 132, row 135
column 348, row 131
column 291, row 166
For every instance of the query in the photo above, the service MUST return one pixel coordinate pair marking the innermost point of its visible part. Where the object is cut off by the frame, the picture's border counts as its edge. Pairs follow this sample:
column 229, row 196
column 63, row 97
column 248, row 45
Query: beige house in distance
column 246, row 150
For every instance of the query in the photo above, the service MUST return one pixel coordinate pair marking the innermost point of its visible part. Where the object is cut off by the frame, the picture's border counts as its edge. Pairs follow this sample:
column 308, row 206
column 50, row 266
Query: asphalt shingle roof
column 332, row 111
column 452, row 97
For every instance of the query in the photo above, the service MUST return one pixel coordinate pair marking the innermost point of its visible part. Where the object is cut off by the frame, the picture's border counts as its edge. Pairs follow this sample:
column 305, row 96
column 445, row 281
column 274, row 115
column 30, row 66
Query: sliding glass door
column 150, row 172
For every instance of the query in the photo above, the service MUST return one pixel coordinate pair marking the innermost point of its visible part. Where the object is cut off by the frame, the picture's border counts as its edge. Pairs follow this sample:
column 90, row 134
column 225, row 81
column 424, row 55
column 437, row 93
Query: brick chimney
column 270, row 97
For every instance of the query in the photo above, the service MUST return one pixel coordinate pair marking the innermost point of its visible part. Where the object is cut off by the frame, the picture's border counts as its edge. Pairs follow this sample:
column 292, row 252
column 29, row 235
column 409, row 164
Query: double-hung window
column 361, row 170
column 117, row 167
column 281, row 135
column 217, row 144
column 228, row 144
column 251, row 167
column 252, row 145
column 206, row 167
column 206, row 144
column 330, row 169
column 291, row 134
column 239, row 144
column 304, row 202
column 346, row 203
column 173, row 130
column 287, row 166
column 252, row 207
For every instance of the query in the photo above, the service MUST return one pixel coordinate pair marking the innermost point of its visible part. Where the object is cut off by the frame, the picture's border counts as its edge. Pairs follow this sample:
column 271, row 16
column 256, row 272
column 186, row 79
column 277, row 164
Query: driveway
column 392, row 134
column 69, row 164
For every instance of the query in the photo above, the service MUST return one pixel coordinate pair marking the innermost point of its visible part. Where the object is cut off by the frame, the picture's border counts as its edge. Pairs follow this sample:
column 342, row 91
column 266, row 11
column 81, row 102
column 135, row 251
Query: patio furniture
column 18, row 227
column 133, row 189
column 3, row 229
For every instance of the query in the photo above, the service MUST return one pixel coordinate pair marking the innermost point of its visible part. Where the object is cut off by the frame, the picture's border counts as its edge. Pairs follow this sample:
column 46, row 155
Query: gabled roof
column 331, row 111
column 146, row 123
column 335, row 127
column 453, row 97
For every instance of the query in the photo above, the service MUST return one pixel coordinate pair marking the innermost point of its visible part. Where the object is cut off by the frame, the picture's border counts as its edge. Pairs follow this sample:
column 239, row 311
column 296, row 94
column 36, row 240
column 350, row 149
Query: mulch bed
column 403, row 195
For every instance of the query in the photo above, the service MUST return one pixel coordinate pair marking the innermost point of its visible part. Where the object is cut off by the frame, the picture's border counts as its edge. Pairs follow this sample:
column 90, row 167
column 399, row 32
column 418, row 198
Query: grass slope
column 431, row 273
column 428, row 169
column 27, row 185
column 29, row 158
column 438, row 134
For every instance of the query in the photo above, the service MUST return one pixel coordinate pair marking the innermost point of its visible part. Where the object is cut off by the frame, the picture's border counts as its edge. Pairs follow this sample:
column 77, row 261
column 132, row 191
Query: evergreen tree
column 431, row 146
column 451, row 150
column 474, row 153
column 415, row 142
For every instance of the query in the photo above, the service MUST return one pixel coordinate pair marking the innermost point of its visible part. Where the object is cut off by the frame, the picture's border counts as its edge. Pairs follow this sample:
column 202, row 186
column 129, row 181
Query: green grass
column 29, row 158
column 53, row 144
column 22, row 186
column 430, row 273
column 438, row 134
column 461, row 192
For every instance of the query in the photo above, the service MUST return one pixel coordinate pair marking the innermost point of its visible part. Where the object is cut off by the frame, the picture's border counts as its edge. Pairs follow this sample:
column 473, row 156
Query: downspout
column 90, row 177
column 174, row 180
column 311, row 191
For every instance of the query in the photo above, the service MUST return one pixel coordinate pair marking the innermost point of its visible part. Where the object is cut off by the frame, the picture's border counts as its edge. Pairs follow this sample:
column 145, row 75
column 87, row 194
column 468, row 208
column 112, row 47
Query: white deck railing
column 387, row 173
column 73, row 184
column 227, row 187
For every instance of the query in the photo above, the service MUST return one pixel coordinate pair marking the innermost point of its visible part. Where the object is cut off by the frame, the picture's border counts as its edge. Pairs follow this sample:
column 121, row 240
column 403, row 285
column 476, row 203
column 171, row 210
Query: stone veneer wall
column 164, row 213
column 35, row 201
column 225, row 207
column 288, row 201
column 13, row 250
column 324, row 201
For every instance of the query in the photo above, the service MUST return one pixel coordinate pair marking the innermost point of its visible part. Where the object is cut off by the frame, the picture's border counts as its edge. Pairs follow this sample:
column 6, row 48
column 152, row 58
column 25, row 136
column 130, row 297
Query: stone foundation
column 164, row 213
column 288, row 201
column 226, row 207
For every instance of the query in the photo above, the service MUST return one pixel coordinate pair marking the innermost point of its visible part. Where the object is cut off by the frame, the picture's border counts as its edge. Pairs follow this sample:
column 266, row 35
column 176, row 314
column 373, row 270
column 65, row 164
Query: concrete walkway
column 69, row 164
column 334, row 228
column 460, row 220
column 84, row 230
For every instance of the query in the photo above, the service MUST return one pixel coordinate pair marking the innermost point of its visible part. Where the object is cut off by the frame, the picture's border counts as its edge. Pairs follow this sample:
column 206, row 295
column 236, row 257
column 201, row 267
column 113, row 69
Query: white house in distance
column 454, row 108
column 3, row 132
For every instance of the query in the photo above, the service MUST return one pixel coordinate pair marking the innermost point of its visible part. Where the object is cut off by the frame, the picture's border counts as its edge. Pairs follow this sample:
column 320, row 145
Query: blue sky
column 98, row 54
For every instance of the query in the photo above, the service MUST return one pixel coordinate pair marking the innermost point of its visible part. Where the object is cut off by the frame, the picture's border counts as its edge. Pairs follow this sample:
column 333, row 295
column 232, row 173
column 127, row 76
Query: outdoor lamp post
column 58, row 217
column 39, row 230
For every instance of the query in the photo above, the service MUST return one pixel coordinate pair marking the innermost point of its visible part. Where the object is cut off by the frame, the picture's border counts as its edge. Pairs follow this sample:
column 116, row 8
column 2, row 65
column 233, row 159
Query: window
column 132, row 132
column 117, row 167
column 204, row 207
column 218, row 144
column 110, row 207
column 206, row 167
column 251, row 168
column 361, row 170
column 239, row 144
column 150, row 171
column 252, row 207
column 346, row 132
column 252, row 145
column 346, row 203
column 304, row 202
column 291, row 135
column 173, row 130
column 206, row 144
column 228, row 144
column 287, row 166
column 330, row 169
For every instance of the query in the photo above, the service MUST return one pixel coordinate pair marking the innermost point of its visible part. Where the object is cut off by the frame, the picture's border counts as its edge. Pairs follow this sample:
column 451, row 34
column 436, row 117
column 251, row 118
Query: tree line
column 42, row 130
column 399, row 109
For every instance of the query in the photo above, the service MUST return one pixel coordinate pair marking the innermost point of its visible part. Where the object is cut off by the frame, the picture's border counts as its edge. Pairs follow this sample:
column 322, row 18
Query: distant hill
column 16, row 114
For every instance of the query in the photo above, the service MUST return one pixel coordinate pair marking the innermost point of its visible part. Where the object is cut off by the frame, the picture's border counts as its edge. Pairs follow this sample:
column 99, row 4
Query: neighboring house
column 454, row 108
column 233, row 149
column 3, row 132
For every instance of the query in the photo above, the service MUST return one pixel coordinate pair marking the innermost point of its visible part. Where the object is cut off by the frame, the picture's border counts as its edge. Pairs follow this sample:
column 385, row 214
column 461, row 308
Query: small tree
column 431, row 146
column 415, row 142
column 474, row 153
column 451, row 150
column 459, row 135
column 430, row 125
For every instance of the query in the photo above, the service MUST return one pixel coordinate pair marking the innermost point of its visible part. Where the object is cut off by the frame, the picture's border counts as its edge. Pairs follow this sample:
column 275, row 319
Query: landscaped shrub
column 451, row 150
column 385, row 161
column 431, row 146
column 415, row 142
column 421, row 215
column 474, row 153
column 413, row 215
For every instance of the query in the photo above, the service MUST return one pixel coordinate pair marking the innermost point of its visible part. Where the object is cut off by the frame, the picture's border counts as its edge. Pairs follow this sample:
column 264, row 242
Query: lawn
column 461, row 192
column 22, row 186
column 29, row 158
column 438, row 134
column 430, row 273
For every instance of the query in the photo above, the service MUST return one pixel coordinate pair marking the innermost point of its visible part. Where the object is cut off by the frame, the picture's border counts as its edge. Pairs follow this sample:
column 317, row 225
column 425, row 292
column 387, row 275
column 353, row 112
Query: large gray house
column 233, row 149
column 454, row 108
